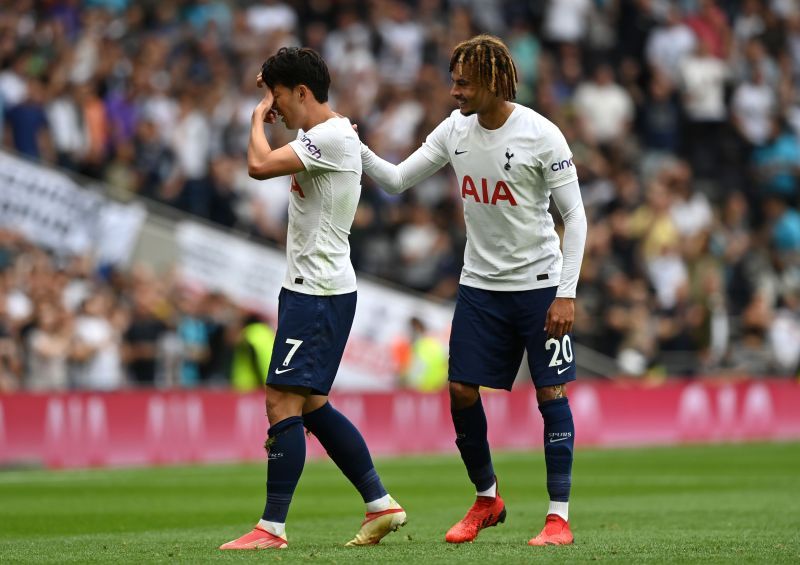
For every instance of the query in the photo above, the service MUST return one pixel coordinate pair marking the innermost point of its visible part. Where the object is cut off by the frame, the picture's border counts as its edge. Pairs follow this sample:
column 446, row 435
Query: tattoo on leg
column 558, row 391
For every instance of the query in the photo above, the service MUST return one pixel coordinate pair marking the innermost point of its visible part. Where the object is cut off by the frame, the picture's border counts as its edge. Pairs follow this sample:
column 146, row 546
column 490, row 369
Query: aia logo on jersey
column 296, row 187
column 501, row 191
column 561, row 165
column 313, row 149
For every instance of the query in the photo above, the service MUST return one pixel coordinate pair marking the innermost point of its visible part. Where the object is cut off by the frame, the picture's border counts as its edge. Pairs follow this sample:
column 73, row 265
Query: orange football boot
column 485, row 513
column 555, row 532
column 259, row 538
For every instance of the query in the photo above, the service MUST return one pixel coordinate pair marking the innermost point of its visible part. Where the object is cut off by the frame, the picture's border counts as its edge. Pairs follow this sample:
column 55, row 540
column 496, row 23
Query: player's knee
column 463, row 395
column 282, row 404
column 274, row 409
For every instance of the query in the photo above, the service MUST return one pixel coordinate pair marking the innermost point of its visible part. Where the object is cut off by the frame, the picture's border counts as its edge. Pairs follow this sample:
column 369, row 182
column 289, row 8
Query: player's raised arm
column 422, row 163
column 397, row 178
column 262, row 161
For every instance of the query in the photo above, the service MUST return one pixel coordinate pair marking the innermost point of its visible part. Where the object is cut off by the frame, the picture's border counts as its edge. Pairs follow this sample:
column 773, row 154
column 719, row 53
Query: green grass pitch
column 700, row 504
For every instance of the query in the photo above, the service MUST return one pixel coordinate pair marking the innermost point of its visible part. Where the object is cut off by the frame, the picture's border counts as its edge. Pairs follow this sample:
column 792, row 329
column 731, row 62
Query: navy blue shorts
column 310, row 340
column 491, row 329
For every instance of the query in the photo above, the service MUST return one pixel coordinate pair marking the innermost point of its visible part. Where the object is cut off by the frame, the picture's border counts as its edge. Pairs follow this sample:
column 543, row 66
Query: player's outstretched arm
column 397, row 178
column 561, row 314
column 262, row 161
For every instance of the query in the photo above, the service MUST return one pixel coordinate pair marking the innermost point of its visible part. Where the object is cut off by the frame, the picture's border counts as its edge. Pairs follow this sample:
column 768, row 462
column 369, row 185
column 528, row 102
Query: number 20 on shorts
column 562, row 348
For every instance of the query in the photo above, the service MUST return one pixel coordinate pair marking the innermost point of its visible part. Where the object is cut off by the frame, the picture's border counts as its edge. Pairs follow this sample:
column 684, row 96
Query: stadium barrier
column 154, row 427
column 52, row 210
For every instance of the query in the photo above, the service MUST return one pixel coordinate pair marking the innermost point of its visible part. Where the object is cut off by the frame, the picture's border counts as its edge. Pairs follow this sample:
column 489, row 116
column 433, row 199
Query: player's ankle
column 491, row 492
column 559, row 509
column 380, row 504
column 275, row 528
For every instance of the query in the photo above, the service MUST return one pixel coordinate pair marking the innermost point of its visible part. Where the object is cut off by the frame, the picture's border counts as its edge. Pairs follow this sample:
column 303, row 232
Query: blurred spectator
column 749, row 22
column 690, row 209
column 784, row 223
column 567, row 21
column 422, row 247
column 669, row 44
column 66, row 128
column 660, row 117
column 48, row 349
column 605, row 107
column 777, row 162
column 141, row 339
column 710, row 25
column 269, row 16
column 752, row 356
column 753, row 106
column 219, row 317
column 421, row 359
column 193, row 334
column 27, row 124
column 703, row 78
column 190, row 144
column 154, row 161
column 96, row 129
column 252, row 354
column 95, row 351
column 10, row 362
column 401, row 54
column 784, row 335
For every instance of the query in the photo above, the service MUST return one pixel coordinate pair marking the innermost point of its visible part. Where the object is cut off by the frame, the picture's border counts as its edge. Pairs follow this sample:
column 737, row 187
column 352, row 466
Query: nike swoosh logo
column 559, row 370
column 460, row 152
column 559, row 439
column 280, row 371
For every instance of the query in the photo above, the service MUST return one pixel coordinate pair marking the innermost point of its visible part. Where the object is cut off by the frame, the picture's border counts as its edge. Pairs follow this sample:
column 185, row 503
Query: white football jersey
column 323, row 203
column 505, row 177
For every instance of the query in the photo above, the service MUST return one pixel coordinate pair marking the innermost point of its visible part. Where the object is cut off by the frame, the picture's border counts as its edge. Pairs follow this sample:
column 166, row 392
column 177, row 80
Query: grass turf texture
column 666, row 505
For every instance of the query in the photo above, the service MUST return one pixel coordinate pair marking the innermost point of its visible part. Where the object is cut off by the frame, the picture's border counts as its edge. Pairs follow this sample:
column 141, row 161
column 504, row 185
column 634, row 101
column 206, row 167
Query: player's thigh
column 310, row 339
column 550, row 360
column 485, row 348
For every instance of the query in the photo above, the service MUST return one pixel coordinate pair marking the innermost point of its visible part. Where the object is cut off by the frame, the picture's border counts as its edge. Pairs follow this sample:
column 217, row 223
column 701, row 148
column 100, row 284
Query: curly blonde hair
column 490, row 60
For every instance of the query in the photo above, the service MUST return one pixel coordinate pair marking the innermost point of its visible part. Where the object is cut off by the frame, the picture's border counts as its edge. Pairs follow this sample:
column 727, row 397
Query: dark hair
column 489, row 58
column 292, row 66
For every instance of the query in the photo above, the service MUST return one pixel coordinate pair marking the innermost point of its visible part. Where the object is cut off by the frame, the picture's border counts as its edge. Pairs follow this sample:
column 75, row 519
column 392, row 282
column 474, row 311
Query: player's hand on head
column 264, row 109
column 259, row 80
column 560, row 317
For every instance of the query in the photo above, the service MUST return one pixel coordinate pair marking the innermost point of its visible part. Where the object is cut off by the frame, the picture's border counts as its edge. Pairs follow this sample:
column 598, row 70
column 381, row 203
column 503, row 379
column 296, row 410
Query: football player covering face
column 317, row 302
column 285, row 104
column 517, row 288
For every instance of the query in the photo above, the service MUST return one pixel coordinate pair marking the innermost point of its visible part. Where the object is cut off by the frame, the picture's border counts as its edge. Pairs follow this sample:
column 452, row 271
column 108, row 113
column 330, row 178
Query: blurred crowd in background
column 66, row 324
column 683, row 116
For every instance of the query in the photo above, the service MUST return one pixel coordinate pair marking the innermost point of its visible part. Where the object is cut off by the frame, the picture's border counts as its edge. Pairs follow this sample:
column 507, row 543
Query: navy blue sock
column 344, row 444
column 559, row 439
column 471, row 430
column 286, row 455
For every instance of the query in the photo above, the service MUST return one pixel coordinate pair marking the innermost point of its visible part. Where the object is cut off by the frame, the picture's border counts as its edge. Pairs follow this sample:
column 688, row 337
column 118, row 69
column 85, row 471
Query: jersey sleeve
column 555, row 158
column 435, row 146
column 570, row 205
column 321, row 149
column 394, row 179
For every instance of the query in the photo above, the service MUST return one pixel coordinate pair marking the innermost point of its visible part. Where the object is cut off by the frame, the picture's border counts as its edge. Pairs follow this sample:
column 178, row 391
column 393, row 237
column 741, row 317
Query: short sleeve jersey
column 323, row 203
column 505, row 177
